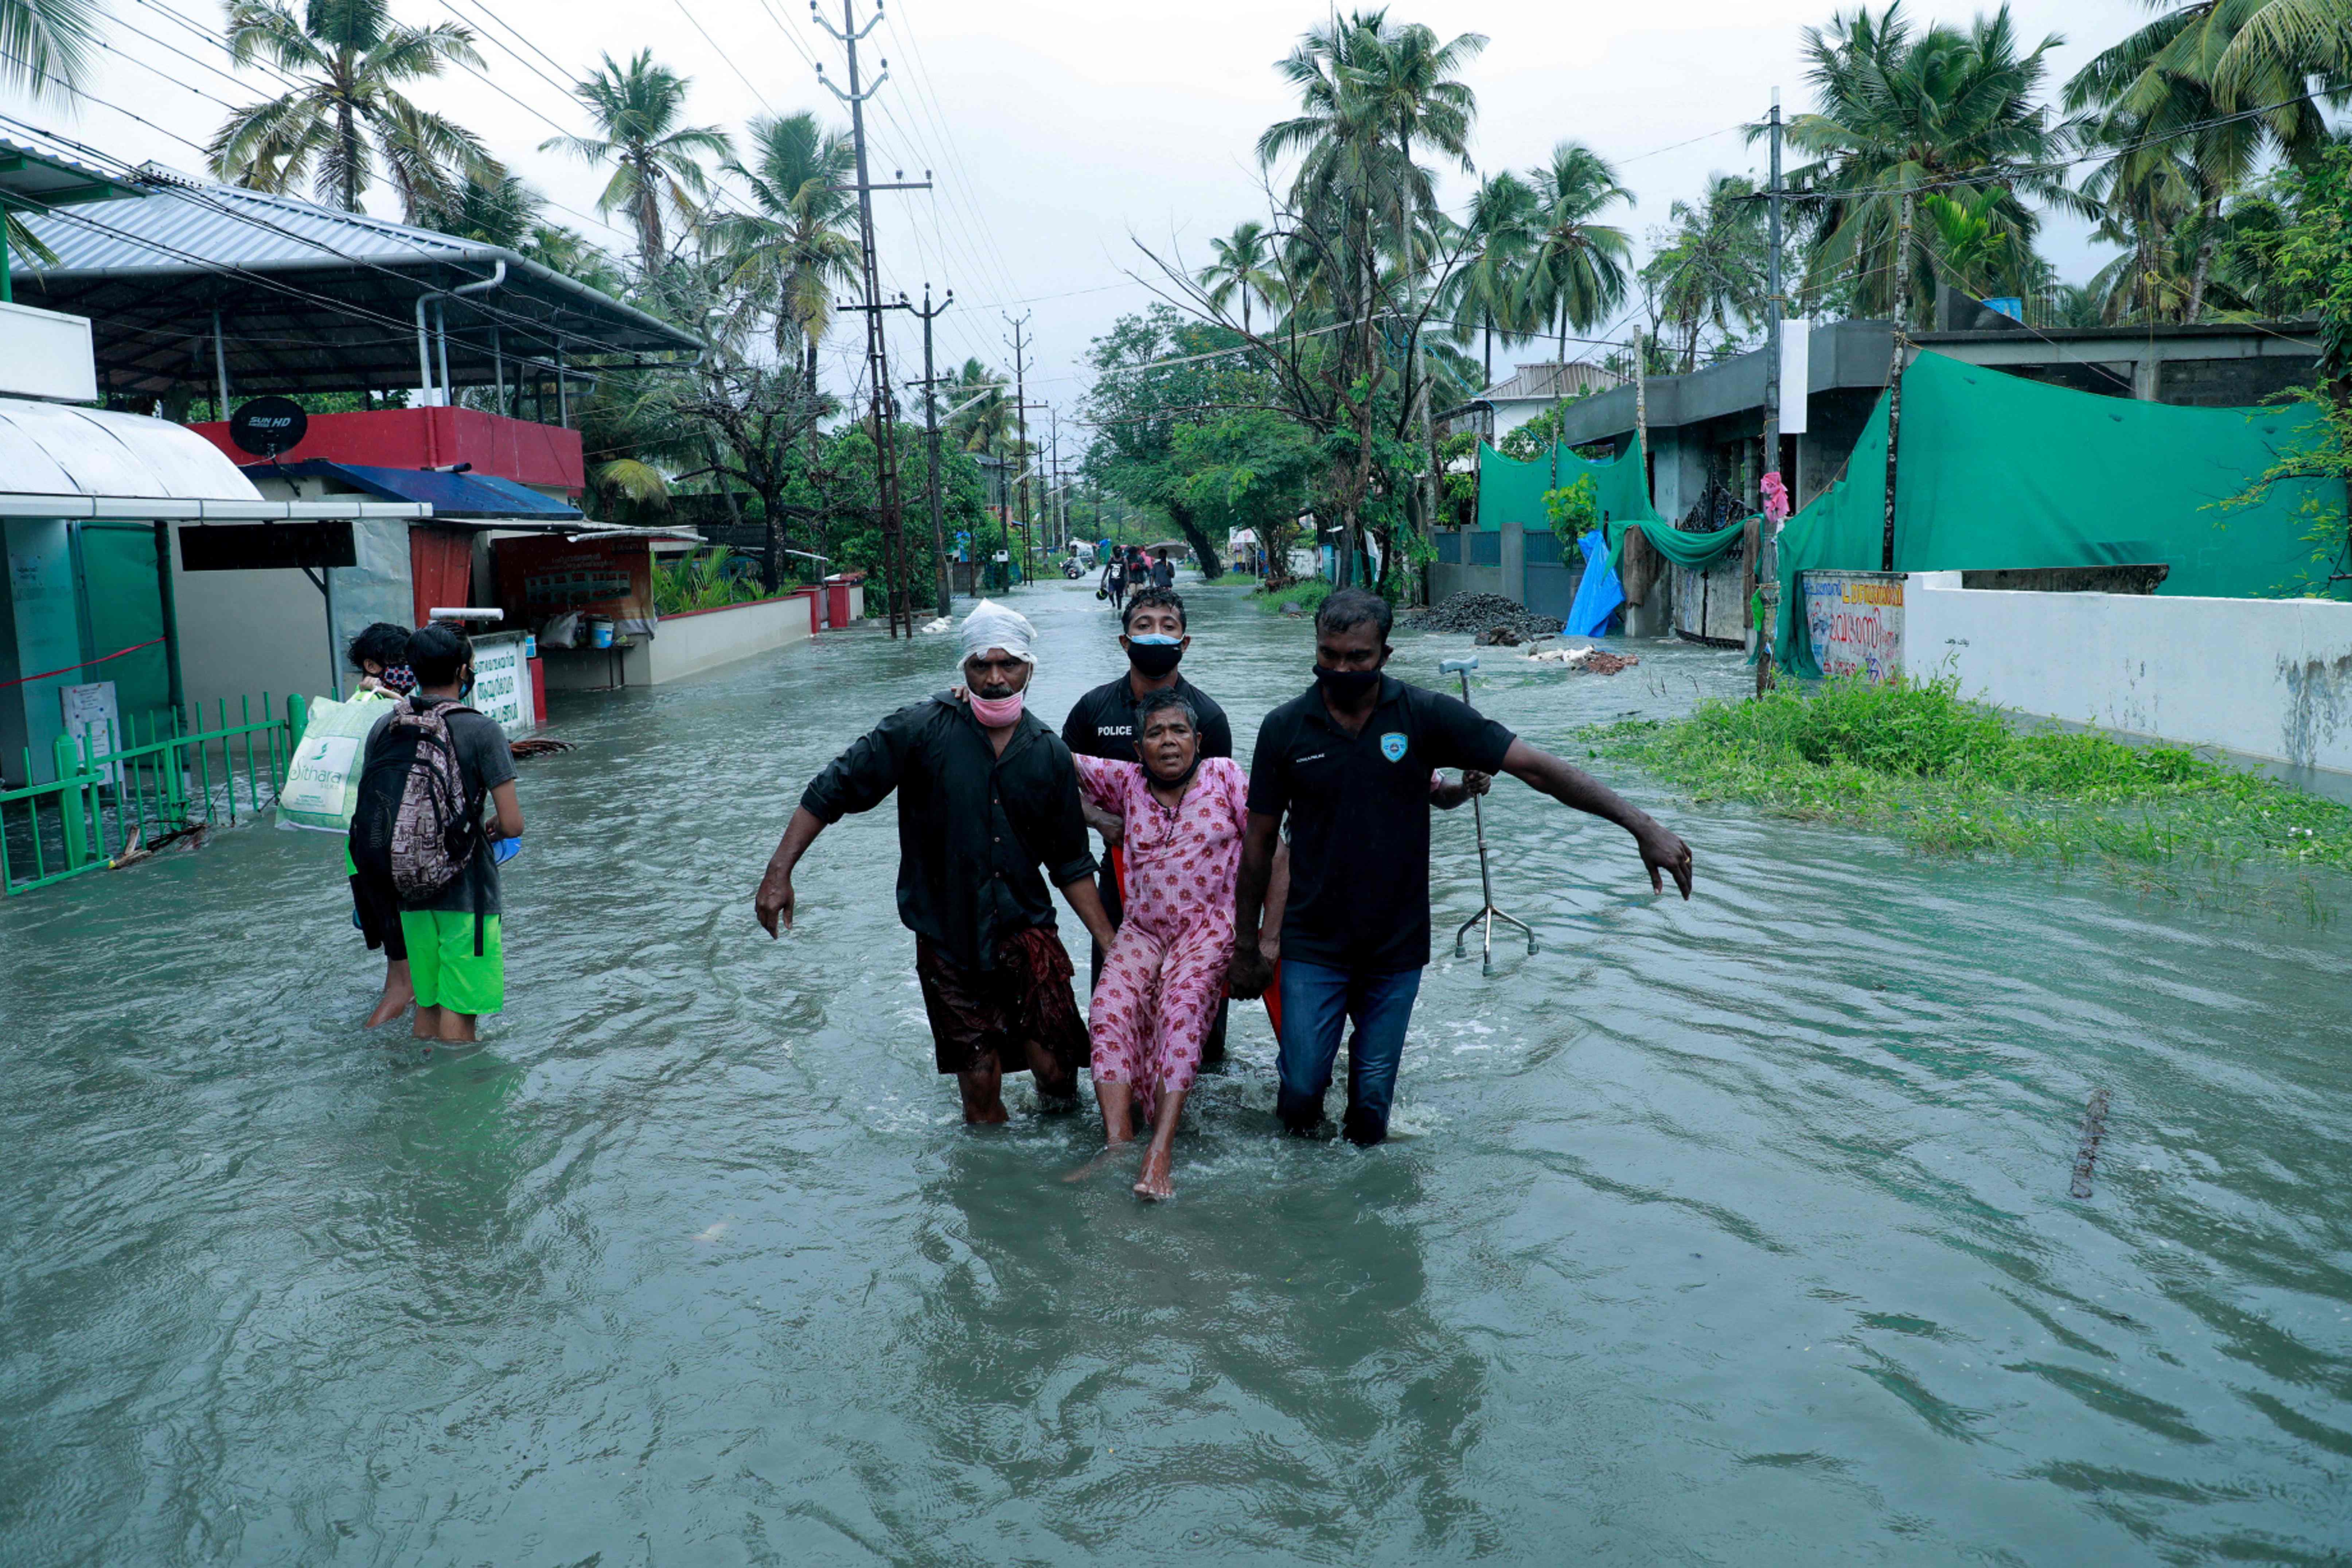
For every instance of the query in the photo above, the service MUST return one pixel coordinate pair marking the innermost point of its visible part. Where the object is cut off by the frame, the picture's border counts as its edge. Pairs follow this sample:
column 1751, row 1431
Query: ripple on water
column 1729, row 1230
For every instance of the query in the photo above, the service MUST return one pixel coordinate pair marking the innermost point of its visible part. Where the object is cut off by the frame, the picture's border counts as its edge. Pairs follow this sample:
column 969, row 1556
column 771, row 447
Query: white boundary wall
column 2271, row 679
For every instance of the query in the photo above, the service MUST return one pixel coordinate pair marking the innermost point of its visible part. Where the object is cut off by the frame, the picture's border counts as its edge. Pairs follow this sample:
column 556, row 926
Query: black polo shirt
column 1359, row 818
column 1102, row 723
column 973, row 827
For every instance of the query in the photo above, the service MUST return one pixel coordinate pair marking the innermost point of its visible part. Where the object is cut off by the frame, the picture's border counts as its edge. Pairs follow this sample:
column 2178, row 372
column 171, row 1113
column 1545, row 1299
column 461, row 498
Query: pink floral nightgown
column 1166, row 971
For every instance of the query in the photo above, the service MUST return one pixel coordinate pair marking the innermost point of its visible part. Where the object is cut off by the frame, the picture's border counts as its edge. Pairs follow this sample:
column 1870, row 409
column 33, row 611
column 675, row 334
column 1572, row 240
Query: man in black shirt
column 1163, row 571
column 1350, row 760
column 1102, row 724
column 987, row 795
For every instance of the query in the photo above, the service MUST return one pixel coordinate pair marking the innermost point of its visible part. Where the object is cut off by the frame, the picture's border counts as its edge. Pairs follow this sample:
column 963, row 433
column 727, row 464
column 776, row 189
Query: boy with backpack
column 418, row 839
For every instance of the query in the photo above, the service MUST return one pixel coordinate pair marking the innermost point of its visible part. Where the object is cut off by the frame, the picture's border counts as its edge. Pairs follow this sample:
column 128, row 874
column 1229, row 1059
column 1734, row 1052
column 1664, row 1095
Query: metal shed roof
column 311, row 299
column 31, row 174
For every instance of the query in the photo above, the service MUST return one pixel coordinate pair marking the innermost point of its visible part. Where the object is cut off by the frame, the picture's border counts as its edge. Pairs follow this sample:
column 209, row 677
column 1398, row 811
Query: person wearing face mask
column 987, row 795
column 1350, row 760
column 1102, row 724
column 452, row 936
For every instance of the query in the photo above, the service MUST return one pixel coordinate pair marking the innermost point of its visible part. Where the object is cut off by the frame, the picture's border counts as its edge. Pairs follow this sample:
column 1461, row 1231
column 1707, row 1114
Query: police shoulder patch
column 1392, row 745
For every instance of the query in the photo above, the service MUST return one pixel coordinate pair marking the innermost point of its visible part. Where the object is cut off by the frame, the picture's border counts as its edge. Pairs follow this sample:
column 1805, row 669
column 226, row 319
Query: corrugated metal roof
column 33, row 172
column 309, row 297
column 228, row 226
column 1550, row 380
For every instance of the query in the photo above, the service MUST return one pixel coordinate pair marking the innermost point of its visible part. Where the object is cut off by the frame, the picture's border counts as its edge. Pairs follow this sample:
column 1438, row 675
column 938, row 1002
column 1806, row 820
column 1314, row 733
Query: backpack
column 415, row 827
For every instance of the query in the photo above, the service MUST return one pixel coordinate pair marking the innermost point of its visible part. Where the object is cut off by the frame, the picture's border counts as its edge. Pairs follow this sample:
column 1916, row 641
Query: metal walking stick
column 1487, row 912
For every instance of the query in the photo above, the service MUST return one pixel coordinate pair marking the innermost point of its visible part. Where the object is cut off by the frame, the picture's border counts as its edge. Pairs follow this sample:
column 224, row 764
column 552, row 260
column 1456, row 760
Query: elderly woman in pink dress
column 1166, row 971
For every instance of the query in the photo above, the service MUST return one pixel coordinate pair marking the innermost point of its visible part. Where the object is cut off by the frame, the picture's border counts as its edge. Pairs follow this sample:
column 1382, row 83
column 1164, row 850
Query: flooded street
column 1735, row 1231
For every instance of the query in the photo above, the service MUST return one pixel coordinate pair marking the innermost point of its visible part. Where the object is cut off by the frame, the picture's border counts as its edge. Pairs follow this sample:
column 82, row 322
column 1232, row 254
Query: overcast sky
column 1060, row 133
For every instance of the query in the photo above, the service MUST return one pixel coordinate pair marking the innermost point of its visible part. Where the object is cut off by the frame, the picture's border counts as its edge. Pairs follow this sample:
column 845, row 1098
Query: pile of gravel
column 1483, row 613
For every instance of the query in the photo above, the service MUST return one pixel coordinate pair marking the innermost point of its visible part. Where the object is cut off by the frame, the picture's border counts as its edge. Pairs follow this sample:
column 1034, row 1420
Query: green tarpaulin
column 1510, row 489
column 1997, row 472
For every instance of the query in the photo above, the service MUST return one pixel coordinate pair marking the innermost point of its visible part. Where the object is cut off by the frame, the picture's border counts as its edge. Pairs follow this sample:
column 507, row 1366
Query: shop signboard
column 502, row 682
column 1855, row 622
column 543, row 577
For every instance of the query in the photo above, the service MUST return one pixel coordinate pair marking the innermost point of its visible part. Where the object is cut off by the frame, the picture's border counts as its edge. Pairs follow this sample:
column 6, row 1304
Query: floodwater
column 1735, row 1231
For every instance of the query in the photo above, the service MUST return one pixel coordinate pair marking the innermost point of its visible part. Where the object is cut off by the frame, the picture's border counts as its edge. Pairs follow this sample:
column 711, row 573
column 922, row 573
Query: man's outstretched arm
column 1661, row 851
column 773, row 902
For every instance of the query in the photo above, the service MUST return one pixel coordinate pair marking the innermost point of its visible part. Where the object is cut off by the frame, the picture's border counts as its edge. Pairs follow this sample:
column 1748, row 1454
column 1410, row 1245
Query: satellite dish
column 267, row 426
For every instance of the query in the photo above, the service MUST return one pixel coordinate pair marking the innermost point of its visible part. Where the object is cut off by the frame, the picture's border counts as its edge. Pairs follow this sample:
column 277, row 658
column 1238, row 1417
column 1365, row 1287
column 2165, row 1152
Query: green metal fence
column 109, row 796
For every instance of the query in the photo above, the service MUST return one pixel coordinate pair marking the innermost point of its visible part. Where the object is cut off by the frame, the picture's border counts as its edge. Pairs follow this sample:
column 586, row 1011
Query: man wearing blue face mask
column 1102, row 724
column 1350, row 761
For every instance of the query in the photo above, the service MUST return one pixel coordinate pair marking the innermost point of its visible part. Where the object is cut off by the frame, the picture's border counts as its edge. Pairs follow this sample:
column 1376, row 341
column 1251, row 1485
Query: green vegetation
column 708, row 581
column 1306, row 593
column 1951, row 778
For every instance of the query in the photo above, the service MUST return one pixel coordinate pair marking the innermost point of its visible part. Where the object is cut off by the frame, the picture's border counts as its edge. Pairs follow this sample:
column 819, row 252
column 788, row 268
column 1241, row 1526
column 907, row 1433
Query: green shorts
column 442, row 965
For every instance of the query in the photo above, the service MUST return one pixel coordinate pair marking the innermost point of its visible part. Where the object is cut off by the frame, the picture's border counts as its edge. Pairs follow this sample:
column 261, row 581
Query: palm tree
column 656, row 163
column 1243, row 269
column 1901, row 113
column 1712, row 269
column 1575, row 271
column 347, row 115
column 1484, row 292
column 800, row 245
column 501, row 212
column 980, row 419
column 44, row 45
column 2208, row 87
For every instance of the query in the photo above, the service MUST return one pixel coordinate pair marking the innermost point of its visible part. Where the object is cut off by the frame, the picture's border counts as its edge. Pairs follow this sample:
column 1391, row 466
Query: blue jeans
column 1317, row 1004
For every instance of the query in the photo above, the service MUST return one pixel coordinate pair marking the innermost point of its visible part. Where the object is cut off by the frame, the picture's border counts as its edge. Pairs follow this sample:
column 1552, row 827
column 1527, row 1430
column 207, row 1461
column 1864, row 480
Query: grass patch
column 1949, row 777
column 1307, row 594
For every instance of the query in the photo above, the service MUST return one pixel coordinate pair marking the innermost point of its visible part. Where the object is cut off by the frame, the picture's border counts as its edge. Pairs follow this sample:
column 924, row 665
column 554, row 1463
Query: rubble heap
column 1495, row 619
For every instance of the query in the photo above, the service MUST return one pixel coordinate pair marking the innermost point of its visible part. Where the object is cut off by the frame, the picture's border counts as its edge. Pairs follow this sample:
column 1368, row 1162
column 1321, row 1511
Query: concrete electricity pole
column 1768, row 548
column 1020, row 346
column 1894, row 375
column 895, row 566
column 929, row 384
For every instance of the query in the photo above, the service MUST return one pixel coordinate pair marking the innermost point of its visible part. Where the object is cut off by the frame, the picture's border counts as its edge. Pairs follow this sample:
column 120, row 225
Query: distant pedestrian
column 987, row 794
column 1163, row 571
column 1114, row 582
column 1349, row 760
column 419, row 843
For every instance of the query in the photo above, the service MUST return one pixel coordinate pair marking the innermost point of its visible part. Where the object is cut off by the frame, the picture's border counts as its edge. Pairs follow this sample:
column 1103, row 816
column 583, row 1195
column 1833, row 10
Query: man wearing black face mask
column 1102, row 724
column 1350, row 760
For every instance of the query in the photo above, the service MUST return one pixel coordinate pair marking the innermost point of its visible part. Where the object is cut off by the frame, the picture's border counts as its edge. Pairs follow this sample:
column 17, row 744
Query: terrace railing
column 114, row 790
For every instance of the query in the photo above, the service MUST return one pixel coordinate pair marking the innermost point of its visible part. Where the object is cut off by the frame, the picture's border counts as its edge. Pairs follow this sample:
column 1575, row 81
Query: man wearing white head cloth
column 987, row 796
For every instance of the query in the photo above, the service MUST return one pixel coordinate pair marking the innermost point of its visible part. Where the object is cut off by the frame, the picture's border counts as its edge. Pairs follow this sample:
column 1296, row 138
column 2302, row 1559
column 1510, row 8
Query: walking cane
column 1487, row 912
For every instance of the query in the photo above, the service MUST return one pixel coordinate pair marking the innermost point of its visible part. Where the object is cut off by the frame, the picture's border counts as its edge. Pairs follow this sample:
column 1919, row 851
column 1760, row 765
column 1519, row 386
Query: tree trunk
column 1210, row 555
column 2208, row 230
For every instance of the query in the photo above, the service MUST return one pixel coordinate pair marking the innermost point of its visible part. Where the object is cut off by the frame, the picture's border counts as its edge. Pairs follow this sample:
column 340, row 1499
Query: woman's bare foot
column 1159, row 1178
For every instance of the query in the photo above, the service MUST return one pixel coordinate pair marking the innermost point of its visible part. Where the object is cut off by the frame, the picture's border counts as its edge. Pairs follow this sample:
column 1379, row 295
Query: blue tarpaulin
column 1599, row 594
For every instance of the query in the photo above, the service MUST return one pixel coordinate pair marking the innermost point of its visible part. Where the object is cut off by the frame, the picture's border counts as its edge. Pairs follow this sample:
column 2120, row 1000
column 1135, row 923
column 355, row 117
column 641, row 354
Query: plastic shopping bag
column 323, row 782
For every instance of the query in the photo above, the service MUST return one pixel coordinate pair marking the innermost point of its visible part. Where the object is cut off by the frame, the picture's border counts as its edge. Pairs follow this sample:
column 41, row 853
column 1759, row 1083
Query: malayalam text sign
column 1855, row 621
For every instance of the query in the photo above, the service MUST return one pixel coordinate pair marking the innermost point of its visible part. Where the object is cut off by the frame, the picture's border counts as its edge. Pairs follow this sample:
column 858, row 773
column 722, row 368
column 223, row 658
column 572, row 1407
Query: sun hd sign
column 1855, row 622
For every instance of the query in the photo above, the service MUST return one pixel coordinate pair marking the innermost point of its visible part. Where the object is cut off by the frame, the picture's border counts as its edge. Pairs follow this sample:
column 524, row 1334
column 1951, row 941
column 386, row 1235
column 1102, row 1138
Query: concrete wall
column 244, row 633
column 2266, row 678
column 688, row 644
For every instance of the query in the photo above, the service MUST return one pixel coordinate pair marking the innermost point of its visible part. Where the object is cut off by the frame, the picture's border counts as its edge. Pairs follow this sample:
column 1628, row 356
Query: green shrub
column 1948, row 777
column 1307, row 594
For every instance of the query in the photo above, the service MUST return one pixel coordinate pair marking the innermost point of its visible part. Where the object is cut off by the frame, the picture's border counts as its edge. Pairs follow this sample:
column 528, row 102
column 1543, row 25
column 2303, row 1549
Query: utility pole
column 1060, row 509
column 929, row 384
column 1021, row 413
column 1894, row 376
column 1768, row 547
column 878, row 346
